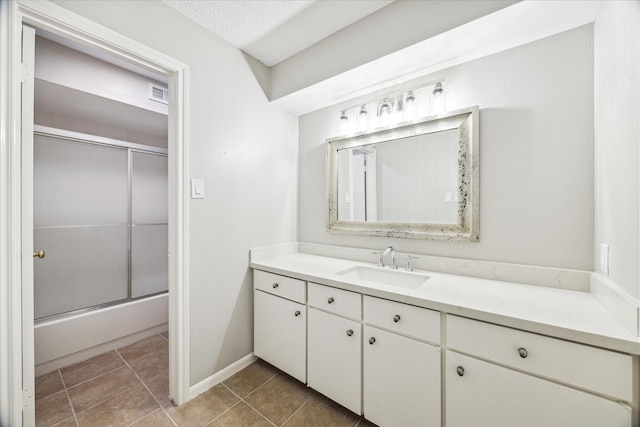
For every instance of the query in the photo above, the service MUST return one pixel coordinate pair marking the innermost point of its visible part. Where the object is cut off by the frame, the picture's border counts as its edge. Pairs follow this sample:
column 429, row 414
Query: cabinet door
column 280, row 333
column 401, row 383
column 493, row 396
column 334, row 358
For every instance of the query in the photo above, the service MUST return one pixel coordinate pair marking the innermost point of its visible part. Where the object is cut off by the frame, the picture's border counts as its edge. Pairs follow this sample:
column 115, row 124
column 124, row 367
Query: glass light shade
column 363, row 119
column 437, row 100
column 385, row 111
column 410, row 109
column 343, row 123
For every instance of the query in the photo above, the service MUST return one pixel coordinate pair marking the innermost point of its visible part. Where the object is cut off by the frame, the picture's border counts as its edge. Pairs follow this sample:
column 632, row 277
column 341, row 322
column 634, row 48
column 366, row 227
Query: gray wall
column 246, row 152
column 617, row 133
column 536, row 156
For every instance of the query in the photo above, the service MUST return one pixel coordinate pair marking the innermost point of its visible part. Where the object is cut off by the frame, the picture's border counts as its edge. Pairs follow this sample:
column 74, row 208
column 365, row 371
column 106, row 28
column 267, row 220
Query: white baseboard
column 621, row 305
column 80, row 356
column 220, row 376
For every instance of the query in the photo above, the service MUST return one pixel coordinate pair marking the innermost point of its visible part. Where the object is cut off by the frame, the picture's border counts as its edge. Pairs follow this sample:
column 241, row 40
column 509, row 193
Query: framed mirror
column 417, row 180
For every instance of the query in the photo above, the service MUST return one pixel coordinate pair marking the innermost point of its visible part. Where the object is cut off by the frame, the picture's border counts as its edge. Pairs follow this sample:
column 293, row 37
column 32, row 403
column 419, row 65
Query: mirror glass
column 417, row 180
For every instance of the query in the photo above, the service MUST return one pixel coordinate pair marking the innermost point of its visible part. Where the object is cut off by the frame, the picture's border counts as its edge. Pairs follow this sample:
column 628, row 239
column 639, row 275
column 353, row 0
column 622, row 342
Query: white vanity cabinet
column 498, row 376
column 280, row 322
column 334, row 345
column 401, row 375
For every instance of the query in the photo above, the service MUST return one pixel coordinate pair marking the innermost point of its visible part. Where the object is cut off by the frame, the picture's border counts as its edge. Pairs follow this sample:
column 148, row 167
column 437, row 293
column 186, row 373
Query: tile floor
column 130, row 386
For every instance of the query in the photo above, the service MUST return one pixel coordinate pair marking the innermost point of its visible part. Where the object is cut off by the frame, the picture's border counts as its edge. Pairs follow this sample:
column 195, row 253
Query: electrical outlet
column 604, row 259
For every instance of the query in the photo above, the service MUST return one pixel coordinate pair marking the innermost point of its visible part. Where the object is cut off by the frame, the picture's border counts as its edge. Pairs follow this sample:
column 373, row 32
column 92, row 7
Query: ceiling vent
column 158, row 93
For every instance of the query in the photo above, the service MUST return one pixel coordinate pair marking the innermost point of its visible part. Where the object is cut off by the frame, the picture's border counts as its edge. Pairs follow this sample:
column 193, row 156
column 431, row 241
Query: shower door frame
column 16, row 182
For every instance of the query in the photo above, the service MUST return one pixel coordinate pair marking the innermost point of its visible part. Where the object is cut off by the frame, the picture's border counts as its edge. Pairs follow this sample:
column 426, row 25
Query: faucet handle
column 380, row 258
column 409, row 266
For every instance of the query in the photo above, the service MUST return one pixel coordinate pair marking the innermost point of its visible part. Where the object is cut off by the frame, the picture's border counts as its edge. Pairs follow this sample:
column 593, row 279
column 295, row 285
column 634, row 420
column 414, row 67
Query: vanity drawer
column 333, row 300
column 282, row 286
column 415, row 322
column 591, row 368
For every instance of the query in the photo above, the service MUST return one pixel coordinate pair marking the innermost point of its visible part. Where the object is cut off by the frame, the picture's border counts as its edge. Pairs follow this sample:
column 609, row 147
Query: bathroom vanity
column 435, row 349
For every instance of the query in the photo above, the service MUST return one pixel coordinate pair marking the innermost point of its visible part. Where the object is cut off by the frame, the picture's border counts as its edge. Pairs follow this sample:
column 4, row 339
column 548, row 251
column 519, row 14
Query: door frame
column 14, row 356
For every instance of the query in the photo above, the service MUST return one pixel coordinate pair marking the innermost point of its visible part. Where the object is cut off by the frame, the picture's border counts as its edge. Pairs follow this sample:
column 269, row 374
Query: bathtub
column 63, row 342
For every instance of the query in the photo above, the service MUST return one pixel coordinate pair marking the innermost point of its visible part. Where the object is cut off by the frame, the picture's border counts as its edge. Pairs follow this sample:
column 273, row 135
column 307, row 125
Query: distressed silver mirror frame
column 466, row 122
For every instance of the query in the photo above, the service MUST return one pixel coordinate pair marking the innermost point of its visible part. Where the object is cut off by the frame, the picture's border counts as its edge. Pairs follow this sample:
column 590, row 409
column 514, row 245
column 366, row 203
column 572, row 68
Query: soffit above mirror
column 305, row 86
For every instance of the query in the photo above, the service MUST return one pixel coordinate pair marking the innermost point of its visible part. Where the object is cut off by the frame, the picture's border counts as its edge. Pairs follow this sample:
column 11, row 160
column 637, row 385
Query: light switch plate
column 197, row 188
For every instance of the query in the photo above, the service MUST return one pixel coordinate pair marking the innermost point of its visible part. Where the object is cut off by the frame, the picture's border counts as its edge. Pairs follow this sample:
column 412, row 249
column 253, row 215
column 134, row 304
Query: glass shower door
column 81, row 198
column 149, row 224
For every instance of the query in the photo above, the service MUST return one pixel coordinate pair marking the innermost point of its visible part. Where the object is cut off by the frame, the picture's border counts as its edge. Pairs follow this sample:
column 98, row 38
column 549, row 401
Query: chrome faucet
column 394, row 263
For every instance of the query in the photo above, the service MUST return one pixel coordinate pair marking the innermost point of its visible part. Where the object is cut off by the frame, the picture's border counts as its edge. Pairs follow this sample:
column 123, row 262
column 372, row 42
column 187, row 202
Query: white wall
column 246, row 152
column 536, row 156
column 617, row 137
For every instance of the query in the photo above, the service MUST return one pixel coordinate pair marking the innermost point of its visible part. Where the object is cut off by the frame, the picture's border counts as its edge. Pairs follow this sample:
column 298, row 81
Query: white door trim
column 57, row 20
column 28, row 47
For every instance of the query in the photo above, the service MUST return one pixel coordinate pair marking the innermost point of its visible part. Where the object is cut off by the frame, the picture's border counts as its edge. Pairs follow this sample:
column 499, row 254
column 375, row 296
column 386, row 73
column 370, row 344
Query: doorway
column 17, row 353
column 100, row 204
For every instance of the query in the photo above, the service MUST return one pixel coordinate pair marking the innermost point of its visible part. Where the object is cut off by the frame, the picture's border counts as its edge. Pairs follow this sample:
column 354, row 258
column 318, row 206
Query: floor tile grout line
column 143, row 385
column 66, row 392
column 261, row 385
column 144, row 416
column 92, row 378
column 223, row 412
column 296, row 411
column 247, row 403
column 137, row 360
column 102, row 401
column 169, row 415
column 142, row 381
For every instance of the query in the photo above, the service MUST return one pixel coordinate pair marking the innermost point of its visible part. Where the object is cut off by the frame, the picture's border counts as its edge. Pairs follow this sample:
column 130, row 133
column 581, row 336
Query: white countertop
column 570, row 315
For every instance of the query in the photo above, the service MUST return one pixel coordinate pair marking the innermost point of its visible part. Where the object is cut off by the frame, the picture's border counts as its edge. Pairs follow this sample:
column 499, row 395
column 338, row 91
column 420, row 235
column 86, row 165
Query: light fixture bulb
column 437, row 100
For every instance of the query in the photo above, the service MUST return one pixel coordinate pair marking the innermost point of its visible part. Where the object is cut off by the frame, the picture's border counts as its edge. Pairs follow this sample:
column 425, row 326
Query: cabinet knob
column 350, row 332
column 523, row 352
column 372, row 340
column 40, row 254
column 460, row 370
column 275, row 285
column 297, row 313
column 396, row 318
column 330, row 300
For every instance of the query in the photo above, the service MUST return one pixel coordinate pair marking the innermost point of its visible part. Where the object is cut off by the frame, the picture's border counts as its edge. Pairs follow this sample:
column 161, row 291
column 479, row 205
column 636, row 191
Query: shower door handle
column 40, row 254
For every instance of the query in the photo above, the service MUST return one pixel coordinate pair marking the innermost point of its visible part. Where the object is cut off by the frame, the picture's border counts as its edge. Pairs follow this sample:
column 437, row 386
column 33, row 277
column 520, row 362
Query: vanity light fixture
column 397, row 108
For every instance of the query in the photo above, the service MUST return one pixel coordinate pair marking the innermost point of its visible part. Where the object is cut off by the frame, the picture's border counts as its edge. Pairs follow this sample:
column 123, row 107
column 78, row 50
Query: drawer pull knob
column 396, row 318
column 460, row 370
column 372, row 340
column 330, row 300
column 523, row 352
column 297, row 313
column 350, row 332
column 275, row 285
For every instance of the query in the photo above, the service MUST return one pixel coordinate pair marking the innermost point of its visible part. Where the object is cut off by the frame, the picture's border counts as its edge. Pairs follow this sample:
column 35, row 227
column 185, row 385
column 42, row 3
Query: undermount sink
column 385, row 276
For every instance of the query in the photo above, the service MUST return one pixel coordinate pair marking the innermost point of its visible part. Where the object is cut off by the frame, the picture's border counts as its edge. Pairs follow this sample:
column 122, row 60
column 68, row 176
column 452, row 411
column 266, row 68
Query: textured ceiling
column 273, row 30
